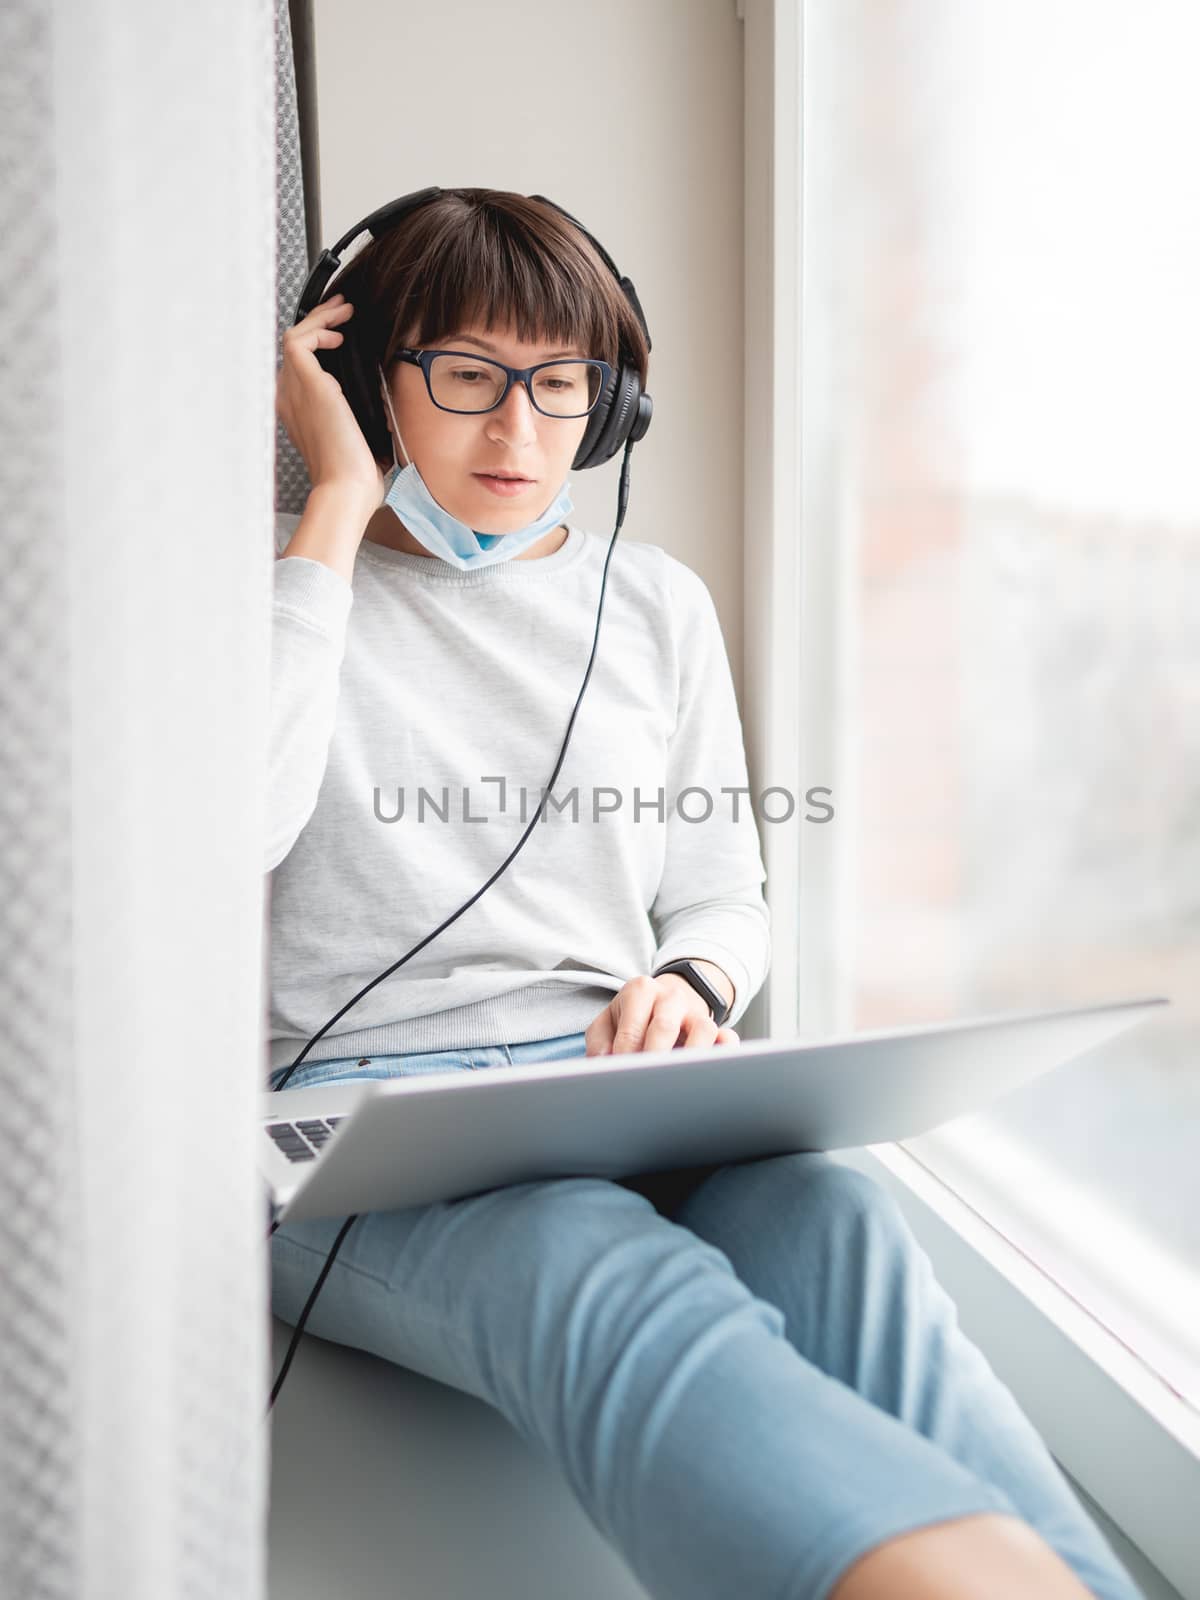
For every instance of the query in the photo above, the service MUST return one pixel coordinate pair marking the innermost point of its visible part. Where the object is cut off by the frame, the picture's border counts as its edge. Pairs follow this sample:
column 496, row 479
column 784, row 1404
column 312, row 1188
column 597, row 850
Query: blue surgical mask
column 445, row 536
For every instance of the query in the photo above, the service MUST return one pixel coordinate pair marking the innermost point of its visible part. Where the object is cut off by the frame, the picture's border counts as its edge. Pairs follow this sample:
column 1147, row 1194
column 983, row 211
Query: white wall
column 629, row 114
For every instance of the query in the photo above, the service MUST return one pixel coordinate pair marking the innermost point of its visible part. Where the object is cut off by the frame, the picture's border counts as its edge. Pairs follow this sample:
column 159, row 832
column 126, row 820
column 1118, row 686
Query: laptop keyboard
column 304, row 1139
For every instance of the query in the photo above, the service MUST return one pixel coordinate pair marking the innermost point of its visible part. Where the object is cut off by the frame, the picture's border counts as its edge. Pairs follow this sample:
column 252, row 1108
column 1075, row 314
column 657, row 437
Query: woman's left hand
column 655, row 1014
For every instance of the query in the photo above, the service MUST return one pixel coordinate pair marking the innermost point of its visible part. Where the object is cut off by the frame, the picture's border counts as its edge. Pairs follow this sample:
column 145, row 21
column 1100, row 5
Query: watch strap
column 718, row 1007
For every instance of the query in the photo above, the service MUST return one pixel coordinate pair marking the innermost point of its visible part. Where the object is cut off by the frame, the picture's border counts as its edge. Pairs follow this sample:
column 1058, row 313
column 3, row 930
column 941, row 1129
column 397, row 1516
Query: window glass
column 1001, row 360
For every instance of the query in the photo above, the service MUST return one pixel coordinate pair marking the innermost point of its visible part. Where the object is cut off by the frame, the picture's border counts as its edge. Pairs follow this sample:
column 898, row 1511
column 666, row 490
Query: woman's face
column 454, row 453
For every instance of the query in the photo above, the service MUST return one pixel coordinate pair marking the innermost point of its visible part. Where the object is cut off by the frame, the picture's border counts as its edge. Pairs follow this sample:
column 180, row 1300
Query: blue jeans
column 747, row 1373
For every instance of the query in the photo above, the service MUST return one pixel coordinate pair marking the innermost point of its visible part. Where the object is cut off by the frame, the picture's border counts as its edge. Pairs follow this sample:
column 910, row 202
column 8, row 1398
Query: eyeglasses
column 459, row 381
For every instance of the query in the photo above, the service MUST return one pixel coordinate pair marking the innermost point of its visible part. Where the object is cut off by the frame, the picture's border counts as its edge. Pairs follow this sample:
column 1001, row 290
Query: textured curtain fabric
column 40, row 1422
column 137, row 253
column 291, row 475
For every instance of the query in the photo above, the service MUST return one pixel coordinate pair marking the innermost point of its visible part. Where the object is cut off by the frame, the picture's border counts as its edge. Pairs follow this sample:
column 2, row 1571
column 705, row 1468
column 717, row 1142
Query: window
column 1001, row 352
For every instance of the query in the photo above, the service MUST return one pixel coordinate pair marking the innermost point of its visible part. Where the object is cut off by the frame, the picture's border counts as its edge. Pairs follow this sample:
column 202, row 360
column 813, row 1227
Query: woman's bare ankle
column 983, row 1557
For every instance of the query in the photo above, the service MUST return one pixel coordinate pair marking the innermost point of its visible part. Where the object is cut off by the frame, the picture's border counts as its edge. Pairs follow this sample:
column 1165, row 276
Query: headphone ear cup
column 612, row 421
column 361, row 389
column 595, row 425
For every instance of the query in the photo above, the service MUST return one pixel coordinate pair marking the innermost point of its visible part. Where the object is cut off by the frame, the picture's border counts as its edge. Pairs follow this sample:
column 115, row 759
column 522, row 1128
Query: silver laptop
column 378, row 1144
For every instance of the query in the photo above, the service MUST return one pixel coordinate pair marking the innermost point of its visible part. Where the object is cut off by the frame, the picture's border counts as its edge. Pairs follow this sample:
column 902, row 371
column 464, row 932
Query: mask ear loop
column 387, row 400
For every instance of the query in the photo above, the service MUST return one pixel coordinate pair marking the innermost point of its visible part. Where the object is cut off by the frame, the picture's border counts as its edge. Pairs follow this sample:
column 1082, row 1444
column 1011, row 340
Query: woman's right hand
column 314, row 411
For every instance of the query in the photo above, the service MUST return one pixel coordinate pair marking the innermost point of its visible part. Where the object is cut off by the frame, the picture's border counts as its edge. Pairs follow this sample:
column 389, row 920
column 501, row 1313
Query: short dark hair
column 489, row 257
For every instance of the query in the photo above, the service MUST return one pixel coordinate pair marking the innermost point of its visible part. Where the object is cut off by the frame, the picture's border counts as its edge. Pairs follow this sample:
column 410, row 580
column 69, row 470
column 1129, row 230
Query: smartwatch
column 717, row 1006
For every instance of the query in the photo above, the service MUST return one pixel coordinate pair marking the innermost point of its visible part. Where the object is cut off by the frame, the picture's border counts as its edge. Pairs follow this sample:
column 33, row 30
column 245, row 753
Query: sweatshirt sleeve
column 310, row 607
column 709, row 905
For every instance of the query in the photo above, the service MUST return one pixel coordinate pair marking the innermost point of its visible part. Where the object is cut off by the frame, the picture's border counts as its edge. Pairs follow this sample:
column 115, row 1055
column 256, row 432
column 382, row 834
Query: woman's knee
column 599, row 1285
column 531, row 1265
column 865, row 1226
column 806, row 1193
column 815, row 1237
column 850, row 1200
column 589, row 1262
column 614, row 1307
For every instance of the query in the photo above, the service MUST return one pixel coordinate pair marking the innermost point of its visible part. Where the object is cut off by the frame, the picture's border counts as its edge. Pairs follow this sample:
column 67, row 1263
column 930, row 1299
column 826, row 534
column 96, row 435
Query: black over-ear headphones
column 619, row 419
column 621, row 415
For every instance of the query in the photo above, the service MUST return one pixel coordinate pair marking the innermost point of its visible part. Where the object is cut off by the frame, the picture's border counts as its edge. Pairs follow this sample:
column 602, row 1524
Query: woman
column 747, row 1374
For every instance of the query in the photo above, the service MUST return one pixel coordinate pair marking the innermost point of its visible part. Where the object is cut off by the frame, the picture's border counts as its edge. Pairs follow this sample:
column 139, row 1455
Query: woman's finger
column 318, row 316
column 632, row 1008
column 599, row 1035
column 313, row 407
column 315, row 323
column 699, row 1029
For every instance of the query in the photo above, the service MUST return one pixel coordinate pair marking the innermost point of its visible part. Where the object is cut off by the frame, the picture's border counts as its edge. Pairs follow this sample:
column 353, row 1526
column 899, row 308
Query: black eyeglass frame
column 424, row 360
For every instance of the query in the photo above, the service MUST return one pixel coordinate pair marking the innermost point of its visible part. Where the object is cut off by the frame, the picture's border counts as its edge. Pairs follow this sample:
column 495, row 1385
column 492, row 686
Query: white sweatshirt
column 416, row 716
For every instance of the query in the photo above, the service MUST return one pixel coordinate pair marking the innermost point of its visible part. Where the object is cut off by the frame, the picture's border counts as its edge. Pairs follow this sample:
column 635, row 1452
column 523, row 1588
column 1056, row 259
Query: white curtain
column 137, row 253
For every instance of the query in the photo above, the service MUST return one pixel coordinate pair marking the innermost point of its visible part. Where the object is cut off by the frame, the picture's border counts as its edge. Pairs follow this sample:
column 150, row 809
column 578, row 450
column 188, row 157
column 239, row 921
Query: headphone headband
column 621, row 414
